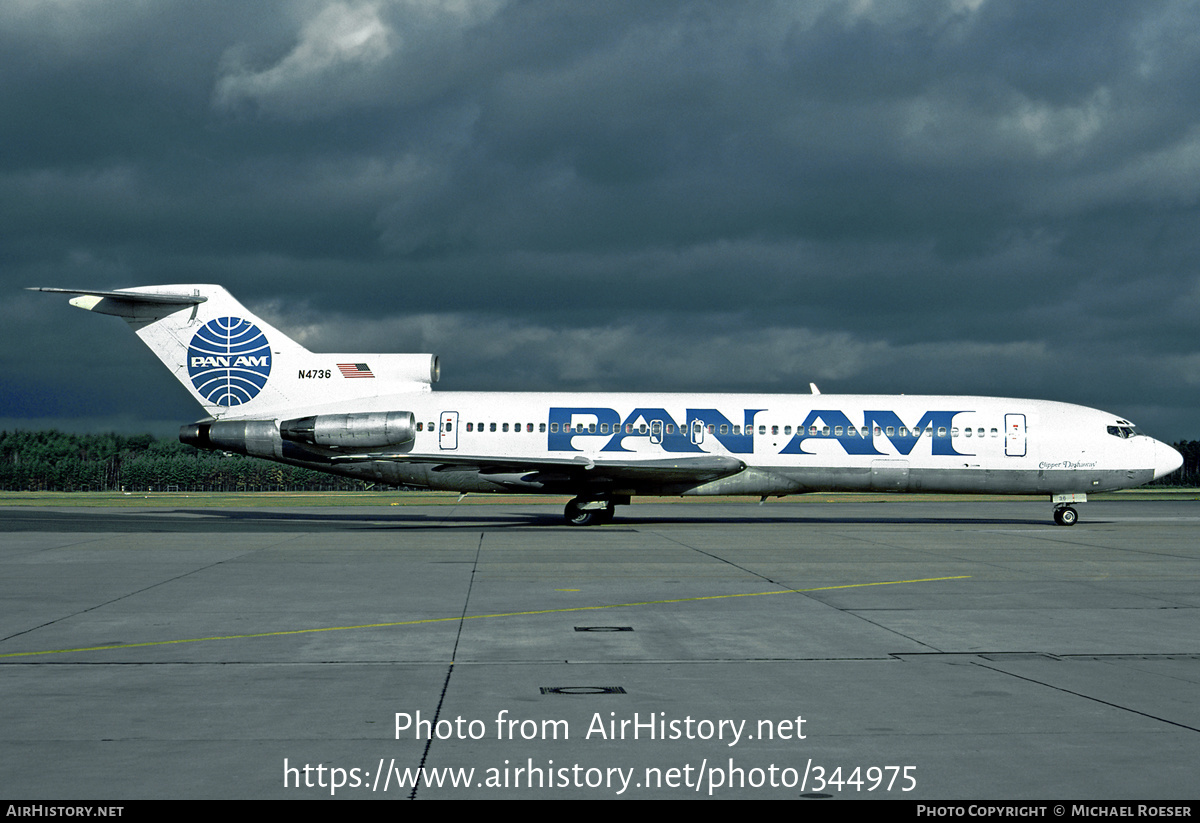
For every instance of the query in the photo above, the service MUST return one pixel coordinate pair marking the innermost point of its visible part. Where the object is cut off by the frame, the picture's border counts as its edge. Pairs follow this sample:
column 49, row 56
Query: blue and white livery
column 229, row 361
column 375, row 417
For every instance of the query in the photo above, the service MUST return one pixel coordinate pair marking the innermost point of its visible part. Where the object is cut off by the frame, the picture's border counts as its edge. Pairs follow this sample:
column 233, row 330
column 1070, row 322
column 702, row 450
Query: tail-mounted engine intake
column 367, row 430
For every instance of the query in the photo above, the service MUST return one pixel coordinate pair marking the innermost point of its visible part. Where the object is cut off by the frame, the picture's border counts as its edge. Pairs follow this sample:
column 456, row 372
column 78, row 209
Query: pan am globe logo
column 229, row 361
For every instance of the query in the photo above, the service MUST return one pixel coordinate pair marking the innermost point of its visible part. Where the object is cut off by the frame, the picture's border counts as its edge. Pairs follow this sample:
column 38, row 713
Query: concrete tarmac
column 907, row 649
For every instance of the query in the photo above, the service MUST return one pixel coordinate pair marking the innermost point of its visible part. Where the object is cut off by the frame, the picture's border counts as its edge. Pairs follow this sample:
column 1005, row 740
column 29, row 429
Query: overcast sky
column 968, row 196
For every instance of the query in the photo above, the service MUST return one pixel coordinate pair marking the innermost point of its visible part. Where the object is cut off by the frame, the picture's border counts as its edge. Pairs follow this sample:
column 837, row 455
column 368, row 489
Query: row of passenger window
column 725, row 428
column 891, row 431
column 502, row 427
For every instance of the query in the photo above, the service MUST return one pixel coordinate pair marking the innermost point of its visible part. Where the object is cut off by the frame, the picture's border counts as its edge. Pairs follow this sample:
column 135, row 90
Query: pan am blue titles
column 375, row 417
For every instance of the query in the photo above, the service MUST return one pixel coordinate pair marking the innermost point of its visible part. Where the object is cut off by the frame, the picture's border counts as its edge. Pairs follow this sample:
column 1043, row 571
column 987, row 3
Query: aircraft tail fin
column 237, row 365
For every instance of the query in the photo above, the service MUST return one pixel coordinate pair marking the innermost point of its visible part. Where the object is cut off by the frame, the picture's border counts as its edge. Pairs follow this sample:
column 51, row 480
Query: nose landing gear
column 1064, row 512
column 1065, row 516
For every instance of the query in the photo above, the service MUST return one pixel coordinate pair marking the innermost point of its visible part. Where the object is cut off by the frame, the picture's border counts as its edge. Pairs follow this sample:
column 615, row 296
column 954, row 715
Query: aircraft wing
column 691, row 469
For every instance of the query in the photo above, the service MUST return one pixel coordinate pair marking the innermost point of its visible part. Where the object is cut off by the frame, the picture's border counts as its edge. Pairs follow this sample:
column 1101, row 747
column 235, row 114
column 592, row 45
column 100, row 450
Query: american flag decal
column 355, row 370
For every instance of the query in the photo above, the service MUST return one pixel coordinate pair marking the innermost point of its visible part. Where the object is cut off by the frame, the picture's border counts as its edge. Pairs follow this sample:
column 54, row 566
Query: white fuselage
column 787, row 443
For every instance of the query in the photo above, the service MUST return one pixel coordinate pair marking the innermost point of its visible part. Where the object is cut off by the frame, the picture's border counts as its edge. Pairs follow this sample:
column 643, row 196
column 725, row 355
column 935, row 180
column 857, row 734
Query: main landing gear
column 1064, row 512
column 590, row 511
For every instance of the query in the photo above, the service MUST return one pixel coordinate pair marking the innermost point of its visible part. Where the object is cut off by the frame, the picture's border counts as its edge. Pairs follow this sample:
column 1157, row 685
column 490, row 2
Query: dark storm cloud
column 966, row 196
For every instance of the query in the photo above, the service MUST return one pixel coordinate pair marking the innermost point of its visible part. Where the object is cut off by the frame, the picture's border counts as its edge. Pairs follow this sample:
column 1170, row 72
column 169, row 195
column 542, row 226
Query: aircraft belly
column 1094, row 480
column 898, row 476
column 1022, row 481
column 747, row 481
column 429, row 476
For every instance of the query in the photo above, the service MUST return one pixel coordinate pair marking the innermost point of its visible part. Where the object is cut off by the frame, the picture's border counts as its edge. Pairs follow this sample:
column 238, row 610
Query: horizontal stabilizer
column 239, row 366
column 138, row 305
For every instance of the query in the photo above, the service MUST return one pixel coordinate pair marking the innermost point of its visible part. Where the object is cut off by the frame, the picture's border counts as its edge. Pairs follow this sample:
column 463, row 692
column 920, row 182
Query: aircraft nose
column 1166, row 459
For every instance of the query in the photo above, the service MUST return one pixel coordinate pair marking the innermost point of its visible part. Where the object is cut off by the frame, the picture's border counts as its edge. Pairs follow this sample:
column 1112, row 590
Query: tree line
column 1189, row 474
column 60, row 461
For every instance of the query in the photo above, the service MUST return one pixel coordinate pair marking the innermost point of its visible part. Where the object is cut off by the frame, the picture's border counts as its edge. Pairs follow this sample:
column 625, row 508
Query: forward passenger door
column 448, row 430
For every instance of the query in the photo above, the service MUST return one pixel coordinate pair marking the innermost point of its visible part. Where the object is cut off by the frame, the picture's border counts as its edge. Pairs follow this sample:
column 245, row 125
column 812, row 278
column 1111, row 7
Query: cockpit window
column 1123, row 432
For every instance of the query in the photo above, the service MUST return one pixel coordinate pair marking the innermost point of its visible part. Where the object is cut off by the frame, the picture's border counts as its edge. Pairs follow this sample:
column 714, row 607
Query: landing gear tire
column 1066, row 516
column 578, row 516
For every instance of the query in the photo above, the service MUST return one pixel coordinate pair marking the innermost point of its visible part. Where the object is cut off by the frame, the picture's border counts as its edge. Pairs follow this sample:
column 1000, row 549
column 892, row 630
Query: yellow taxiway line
column 476, row 617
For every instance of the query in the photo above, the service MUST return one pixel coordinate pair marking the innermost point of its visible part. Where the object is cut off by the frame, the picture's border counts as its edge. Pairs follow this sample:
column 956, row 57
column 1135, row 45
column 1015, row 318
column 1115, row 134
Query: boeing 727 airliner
column 375, row 417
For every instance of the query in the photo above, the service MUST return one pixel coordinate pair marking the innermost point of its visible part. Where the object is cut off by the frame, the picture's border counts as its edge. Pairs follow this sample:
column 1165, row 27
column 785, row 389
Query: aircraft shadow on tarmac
column 257, row 520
